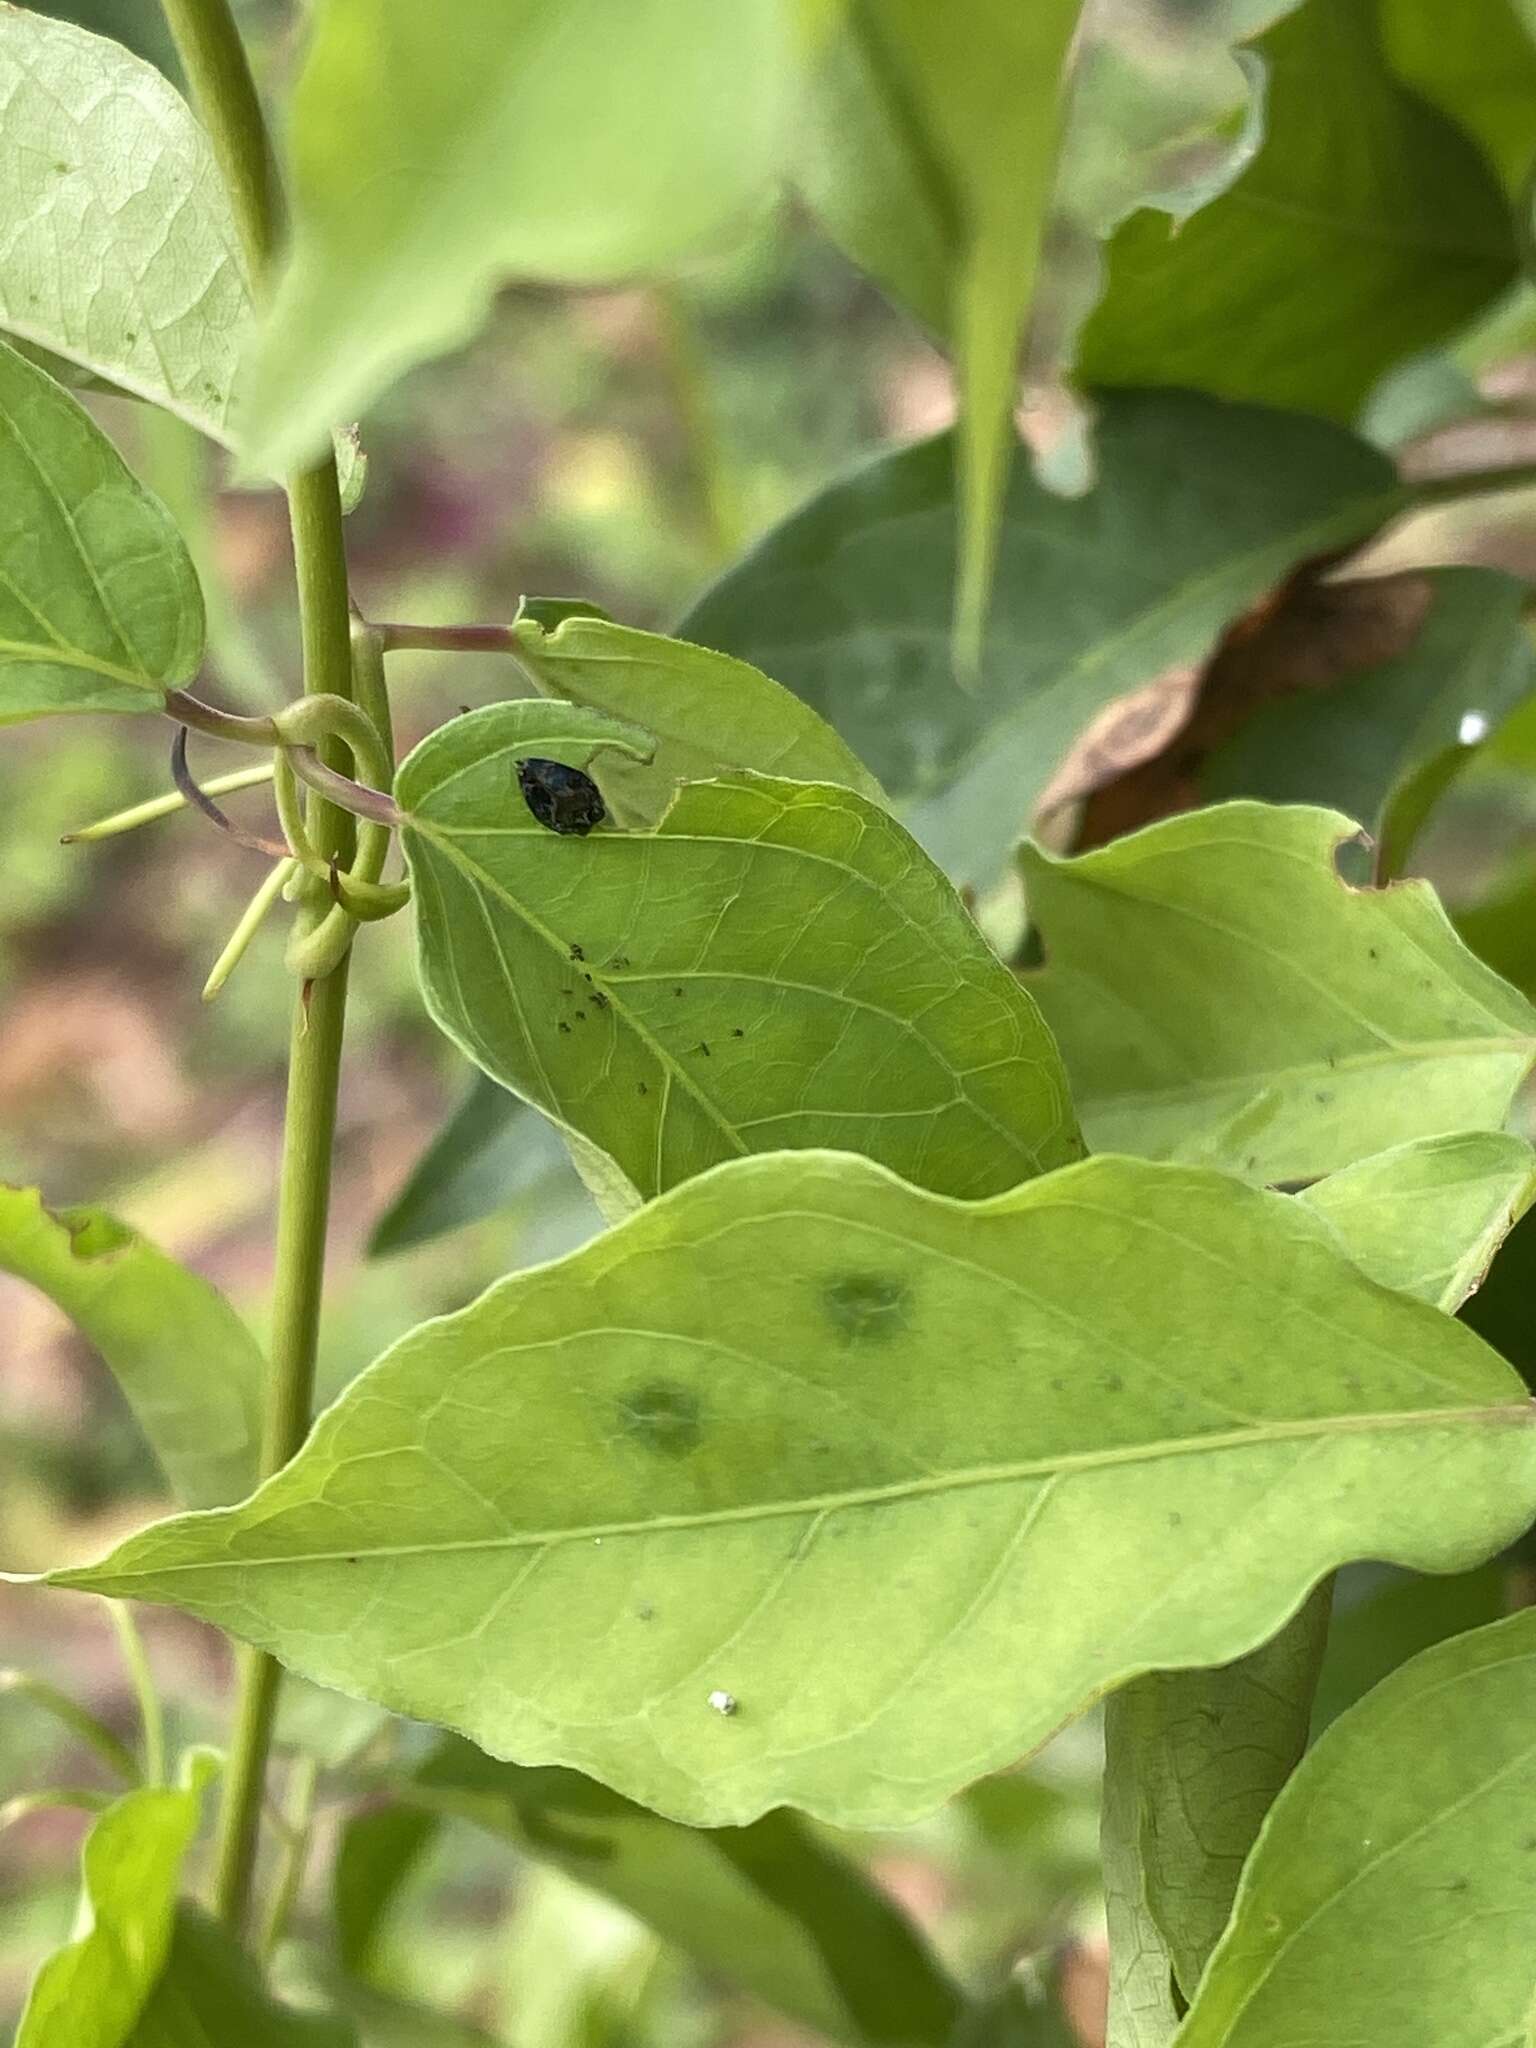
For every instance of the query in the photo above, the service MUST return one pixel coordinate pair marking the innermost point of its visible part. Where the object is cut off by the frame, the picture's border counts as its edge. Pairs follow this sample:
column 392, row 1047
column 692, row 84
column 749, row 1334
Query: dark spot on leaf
column 61, row 168
column 1323, row 1096
column 581, row 1016
column 619, row 960
column 864, row 1305
column 640, row 1085
column 577, row 953
column 351, row 1560
column 1113, row 1383
column 737, row 1032
column 662, row 1415
column 1373, row 953
column 677, row 991
column 599, row 999
column 1175, row 1519
column 586, row 974
column 565, row 1027
column 703, row 1048
column 644, row 1611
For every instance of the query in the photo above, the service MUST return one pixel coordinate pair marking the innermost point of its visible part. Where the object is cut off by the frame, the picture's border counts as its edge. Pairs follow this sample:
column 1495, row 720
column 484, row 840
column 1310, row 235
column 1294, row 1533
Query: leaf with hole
column 1366, row 229
column 1350, row 1020
column 99, row 605
column 1199, row 509
column 1119, row 1419
column 191, row 1371
column 776, row 965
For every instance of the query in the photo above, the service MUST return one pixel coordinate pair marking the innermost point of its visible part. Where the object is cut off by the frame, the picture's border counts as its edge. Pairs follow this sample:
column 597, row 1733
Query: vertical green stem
column 145, row 1691
column 216, row 66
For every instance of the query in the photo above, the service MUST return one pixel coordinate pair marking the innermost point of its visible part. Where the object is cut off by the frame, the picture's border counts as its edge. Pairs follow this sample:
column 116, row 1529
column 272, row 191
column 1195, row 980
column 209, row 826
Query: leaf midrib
column 1308, row 1429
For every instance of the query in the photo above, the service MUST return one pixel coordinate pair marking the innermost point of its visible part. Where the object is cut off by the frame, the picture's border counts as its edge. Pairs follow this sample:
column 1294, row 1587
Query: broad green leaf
column 707, row 711
column 1194, row 1759
column 209, row 1994
column 1351, row 744
column 775, row 966
column 378, row 1850
column 1119, row 1419
column 89, row 1994
column 190, row 1370
column 1192, row 1763
column 1349, row 1020
column 1390, row 1896
column 575, row 143
column 1372, row 1635
column 1367, row 228
column 99, row 606
column 1426, row 1218
column 1477, row 63
column 119, row 250
column 1199, row 509
column 766, row 1907
column 958, row 114
column 491, row 1150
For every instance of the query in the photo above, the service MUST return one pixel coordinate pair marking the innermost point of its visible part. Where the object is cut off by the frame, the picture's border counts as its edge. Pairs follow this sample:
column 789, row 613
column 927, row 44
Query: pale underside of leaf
column 1119, row 1419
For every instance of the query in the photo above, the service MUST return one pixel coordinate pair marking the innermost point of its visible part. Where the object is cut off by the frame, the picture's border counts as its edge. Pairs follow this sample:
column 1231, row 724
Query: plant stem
column 216, row 65
column 299, row 1817
column 151, row 1719
column 394, row 639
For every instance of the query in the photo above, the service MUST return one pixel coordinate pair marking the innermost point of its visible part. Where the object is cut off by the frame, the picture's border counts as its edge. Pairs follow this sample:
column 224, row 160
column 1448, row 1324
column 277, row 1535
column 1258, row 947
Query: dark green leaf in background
column 1348, row 1021
column 776, row 966
column 1120, row 1419
column 1367, row 228
column 1200, row 508
column 209, row 1994
column 99, row 605
column 1477, row 62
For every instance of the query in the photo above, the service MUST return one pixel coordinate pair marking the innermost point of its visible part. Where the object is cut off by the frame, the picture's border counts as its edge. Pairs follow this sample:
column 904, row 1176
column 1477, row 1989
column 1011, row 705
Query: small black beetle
column 561, row 798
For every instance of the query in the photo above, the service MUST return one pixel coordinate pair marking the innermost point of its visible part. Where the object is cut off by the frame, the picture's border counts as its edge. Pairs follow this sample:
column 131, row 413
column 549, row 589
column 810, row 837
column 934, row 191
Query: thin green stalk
column 166, row 806
column 151, row 1719
column 80, row 1722
column 298, row 1819
column 216, row 65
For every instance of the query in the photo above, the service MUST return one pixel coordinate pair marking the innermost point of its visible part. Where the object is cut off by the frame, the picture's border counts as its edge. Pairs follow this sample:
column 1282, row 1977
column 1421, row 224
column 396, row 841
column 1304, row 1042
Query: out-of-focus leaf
column 491, row 1150
column 576, row 144
column 1391, row 1895
column 1200, row 509
column 1426, row 1218
column 707, row 712
column 209, row 1994
column 1192, row 1763
column 119, row 249
column 1477, row 63
column 89, row 1994
column 1177, row 1406
column 191, row 1371
column 1350, row 1020
column 931, row 156
column 1370, row 1637
column 99, row 605
column 139, row 25
column 1350, row 744
column 777, row 965
column 378, row 1850
column 766, row 1907
column 1501, row 1311
column 1367, row 228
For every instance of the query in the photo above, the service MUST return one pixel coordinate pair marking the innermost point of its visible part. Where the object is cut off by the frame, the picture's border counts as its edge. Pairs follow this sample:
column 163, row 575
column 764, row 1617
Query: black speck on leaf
column 563, row 1026
column 577, row 953
column 703, row 1048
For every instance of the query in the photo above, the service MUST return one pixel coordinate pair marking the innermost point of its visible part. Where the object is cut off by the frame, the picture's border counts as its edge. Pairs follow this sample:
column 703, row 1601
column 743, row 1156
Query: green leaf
column 576, row 144
column 1374, row 1634
column 1366, row 229
column 1194, row 1759
column 191, row 1371
column 766, row 1907
column 849, row 601
column 1351, row 744
column 377, row 1852
column 138, row 25
column 707, row 712
column 1390, row 1898
column 1119, row 1419
column 1426, row 1218
column 89, row 1994
column 958, row 117
column 775, row 966
column 120, row 251
column 210, row 1995
column 1350, row 1020
column 1192, row 1763
column 99, row 605
column 1477, row 63
column 1500, row 1310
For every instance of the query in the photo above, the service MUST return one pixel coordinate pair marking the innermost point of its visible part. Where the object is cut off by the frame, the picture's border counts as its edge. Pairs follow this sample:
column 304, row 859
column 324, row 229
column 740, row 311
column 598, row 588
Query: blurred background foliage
column 617, row 446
